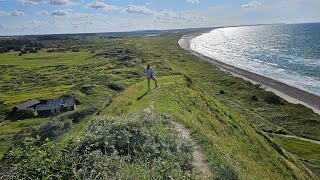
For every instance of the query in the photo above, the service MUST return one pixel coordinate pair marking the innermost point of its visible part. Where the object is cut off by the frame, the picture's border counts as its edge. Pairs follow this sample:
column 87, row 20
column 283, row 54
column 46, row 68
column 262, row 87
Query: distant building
column 48, row 107
column 56, row 106
column 29, row 104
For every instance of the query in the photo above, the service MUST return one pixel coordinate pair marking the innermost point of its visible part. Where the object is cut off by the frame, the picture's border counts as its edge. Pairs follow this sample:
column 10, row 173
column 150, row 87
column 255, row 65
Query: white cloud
column 177, row 17
column 60, row 13
column 53, row 2
column 101, row 5
column 2, row 26
column 32, row 2
column 139, row 10
column 193, row 1
column 61, row 2
column 16, row 13
column 252, row 4
column 2, row 13
column 13, row 13
column 43, row 12
column 164, row 16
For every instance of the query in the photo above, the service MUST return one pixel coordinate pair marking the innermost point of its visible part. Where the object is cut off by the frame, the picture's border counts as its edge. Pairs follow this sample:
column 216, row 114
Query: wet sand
column 289, row 93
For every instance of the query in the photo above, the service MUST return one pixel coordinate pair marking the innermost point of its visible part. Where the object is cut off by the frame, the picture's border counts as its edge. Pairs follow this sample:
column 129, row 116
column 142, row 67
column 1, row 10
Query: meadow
column 244, row 131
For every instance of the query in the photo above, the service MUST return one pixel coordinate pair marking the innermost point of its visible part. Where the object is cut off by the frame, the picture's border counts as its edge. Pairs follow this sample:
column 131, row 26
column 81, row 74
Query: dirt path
column 198, row 157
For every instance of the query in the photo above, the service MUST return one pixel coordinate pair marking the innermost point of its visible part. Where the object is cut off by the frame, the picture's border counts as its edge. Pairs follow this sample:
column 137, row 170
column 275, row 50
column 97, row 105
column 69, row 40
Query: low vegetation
column 244, row 131
column 143, row 145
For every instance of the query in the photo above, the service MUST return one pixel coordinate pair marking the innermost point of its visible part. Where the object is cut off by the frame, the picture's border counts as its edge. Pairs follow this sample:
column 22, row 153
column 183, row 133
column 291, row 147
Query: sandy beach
column 289, row 93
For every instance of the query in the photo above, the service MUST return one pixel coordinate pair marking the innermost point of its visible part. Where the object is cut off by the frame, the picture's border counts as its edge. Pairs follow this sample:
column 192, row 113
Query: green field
column 239, row 126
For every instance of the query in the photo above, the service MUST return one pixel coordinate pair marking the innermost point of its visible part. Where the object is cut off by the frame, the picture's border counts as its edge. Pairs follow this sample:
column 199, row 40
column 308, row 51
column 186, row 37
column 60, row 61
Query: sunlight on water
column 288, row 53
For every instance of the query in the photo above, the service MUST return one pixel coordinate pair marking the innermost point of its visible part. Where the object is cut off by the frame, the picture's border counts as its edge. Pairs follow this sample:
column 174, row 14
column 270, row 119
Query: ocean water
column 287, row 53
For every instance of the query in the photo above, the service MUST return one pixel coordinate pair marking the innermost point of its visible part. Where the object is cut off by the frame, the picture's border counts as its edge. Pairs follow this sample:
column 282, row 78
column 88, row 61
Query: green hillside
column 122, row 131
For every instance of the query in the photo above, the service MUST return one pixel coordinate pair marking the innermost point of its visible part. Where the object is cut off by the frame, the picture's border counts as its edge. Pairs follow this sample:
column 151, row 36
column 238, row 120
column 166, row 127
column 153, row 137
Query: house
column 29, row 104
column 48, row 107
column 55, row 106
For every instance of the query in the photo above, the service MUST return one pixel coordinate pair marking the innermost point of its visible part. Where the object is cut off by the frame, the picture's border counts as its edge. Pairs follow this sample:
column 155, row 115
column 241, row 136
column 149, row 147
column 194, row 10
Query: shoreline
column 287, row 92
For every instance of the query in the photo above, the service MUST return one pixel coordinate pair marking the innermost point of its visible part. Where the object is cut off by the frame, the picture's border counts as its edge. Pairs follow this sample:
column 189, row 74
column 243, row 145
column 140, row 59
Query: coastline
column 289, row 93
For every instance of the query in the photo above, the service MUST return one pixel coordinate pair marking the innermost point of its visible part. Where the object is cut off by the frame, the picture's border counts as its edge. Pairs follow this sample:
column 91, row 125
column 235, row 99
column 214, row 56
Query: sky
column 21, row 17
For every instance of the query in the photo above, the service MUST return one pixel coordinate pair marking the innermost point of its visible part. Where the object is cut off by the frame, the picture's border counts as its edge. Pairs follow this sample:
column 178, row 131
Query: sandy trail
column 198, row 156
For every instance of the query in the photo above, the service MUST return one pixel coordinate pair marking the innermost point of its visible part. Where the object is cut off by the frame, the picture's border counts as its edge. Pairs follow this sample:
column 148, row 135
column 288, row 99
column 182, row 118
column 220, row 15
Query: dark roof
column 55, row 104
column 28, row 104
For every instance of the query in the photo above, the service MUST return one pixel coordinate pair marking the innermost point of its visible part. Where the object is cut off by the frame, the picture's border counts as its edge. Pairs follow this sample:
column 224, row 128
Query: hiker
column 150, row 75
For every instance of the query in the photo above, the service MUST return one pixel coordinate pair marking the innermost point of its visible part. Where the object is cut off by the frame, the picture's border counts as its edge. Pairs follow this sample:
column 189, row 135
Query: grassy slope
column 43, row 75
column 233, row 149
column 217, row 107
column 169, row 59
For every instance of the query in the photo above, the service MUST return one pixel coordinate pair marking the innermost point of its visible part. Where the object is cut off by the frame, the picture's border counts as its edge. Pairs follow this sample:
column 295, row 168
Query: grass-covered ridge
column 232, row 147
column 233, row 121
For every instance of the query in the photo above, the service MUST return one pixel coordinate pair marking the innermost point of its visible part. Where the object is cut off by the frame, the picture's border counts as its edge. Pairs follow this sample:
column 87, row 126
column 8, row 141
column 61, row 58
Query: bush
column 254, row 98
column 4, row 50
column 189, row 80
column 222, row 92
column 271, row 98
column 75, row 50
column 24, row 52
column 24, row 113
column 33, row 51
column 115, row 87
column 34, row 161
column 140, row 146
column 143, row 144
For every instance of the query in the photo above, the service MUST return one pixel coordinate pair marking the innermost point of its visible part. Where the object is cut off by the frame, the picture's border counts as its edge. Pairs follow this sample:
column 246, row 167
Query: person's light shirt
column 150, row 72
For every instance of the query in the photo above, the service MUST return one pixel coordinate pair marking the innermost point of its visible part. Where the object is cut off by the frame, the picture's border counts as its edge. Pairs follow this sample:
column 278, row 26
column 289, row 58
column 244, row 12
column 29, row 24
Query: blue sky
column 19, row 17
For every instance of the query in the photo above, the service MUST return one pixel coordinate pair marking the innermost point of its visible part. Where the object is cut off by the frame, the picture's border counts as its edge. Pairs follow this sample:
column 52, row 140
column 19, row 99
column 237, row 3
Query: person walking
column 150, row 75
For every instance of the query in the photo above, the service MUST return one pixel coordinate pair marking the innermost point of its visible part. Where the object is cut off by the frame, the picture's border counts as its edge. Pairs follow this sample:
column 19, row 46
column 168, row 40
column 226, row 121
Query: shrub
column 24, row 113
column 115, row 87
column 4, row 50
column 254, row 98
column 33, row 51
column 75, row 50
column 222, row 92
column 189, row 80
column 34, row 161
column 271, row 98
column 143, row 144
column 4, row 110
column 24, row 52
column 139, row 146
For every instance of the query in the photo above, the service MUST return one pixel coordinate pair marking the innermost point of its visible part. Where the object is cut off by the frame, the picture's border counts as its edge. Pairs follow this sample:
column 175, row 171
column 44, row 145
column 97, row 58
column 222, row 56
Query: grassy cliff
column 243, row 131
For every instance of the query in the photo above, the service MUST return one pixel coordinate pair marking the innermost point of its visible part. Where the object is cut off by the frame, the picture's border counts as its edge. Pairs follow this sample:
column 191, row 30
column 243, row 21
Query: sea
column 289, row 53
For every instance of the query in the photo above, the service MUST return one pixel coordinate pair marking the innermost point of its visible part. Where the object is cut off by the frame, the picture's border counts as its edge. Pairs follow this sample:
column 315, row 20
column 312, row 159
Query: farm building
column 29, row 104
column 55, row 106
column 48, row 107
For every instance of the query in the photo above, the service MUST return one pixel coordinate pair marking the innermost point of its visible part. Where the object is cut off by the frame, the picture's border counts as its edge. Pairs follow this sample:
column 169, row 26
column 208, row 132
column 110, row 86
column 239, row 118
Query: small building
column 55, row 106
column 47, row 107
column 29, row 104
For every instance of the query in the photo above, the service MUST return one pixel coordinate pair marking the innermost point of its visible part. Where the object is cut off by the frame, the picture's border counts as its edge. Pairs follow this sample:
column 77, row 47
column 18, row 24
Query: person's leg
column 148, row 79
column 155, row 81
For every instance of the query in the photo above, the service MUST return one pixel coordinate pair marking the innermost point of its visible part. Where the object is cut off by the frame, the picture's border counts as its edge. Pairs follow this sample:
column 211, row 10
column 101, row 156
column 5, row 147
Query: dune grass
column 232, row 147
column 307, row 152
column 228, row 117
